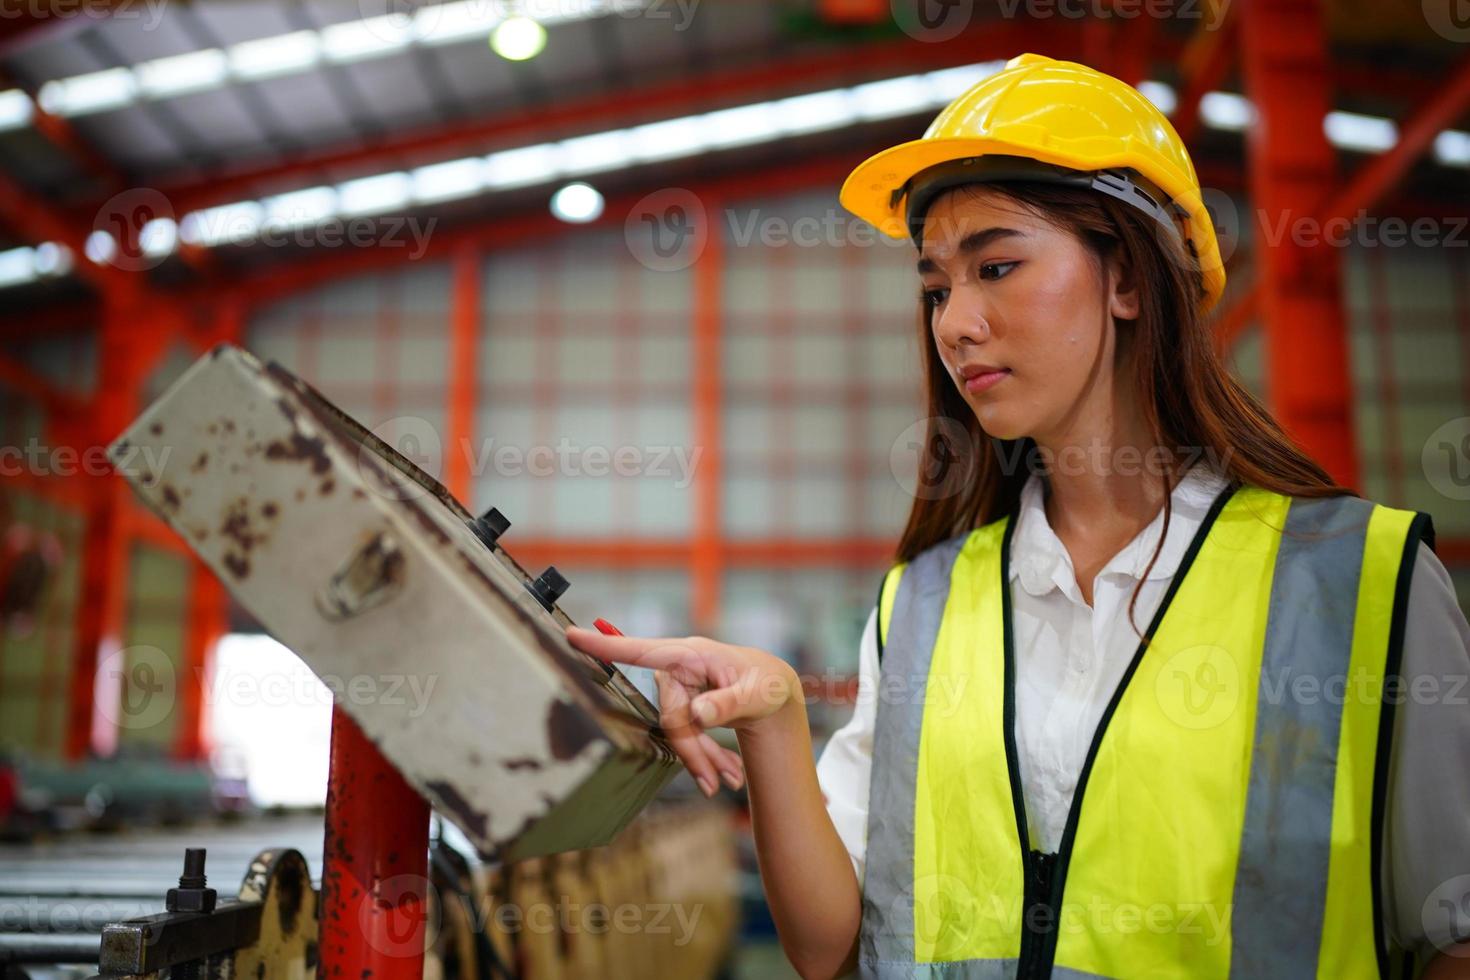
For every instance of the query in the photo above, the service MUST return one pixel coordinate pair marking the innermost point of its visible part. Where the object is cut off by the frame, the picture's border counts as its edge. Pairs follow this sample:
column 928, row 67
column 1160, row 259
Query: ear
column 1122, row 287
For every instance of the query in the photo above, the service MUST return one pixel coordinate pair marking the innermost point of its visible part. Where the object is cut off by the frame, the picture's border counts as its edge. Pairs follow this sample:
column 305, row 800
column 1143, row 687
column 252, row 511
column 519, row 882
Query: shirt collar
column 1041, row 562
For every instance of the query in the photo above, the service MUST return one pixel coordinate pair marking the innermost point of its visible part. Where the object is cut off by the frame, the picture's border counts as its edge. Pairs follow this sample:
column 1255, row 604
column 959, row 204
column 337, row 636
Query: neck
column 1105, row 482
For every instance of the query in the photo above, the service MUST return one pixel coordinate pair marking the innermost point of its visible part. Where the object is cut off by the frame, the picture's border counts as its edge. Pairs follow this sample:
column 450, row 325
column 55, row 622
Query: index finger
column 657, row 653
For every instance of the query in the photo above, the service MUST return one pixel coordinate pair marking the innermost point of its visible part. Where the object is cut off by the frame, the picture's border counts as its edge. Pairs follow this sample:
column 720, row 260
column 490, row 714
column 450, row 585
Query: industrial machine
column 377, row 578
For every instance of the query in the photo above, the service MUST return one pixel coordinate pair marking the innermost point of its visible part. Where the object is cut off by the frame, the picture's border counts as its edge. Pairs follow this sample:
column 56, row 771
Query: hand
column 702, row 683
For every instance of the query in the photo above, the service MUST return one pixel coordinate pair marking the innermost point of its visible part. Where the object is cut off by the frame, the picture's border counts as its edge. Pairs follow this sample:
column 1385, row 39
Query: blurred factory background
column 584, row 262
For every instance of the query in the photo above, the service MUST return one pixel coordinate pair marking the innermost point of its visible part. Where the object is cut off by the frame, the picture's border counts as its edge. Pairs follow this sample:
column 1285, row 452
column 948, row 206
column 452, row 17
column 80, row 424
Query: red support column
column 375, row 876
column 707, row 558
column 122, row 364
column 1308, row 382
column 464, row 367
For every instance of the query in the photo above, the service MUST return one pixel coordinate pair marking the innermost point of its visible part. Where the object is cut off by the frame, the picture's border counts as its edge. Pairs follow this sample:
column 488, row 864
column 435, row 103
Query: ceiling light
column 817, row 111
column 1161, row 95
column 299, row 208
column 354, row 40
column 222, row 225
column 52, row 259
column 1452, row 148
column 158, row 237
column 166, row 77
column 668, row 139
column 518, row 39
column 374, row 195
column 444, row 181
column 893, row 97
column 1225, row 110
column 94, row 92
column 1359, row 132
column 279, row 55
column 100, row 247
column 599, row 151
column 16, row 109
column 577, row 203
column 17, row 265
column 523, row 166
column 741, row 125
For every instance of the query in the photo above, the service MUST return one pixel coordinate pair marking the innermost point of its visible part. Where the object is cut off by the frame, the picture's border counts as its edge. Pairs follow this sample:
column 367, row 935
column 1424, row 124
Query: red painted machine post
column 375, row 884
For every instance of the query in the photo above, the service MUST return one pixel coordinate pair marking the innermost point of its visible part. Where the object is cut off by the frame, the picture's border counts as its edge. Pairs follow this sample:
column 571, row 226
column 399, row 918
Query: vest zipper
column 1039, row 916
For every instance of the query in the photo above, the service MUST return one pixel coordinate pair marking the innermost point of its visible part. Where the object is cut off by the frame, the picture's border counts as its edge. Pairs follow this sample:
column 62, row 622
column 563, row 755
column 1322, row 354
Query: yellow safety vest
column 1227, row 821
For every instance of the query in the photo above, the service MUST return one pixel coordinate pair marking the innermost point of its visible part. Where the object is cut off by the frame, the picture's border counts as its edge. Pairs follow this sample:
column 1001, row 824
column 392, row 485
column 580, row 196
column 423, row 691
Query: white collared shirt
column 1070, row 658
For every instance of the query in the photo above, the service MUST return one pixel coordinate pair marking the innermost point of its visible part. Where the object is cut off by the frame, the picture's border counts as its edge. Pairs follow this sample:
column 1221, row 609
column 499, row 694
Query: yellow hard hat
column 1059, row 121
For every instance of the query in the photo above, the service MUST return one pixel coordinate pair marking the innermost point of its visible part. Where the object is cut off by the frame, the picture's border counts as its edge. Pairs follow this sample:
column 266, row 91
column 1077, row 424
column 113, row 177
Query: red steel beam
column 1375, row 180
column 125, row 356
column 1378, row 176
column 515, row 231
column 64, row 136
column 38, row 222
column 645, row 103
column 1284, row 53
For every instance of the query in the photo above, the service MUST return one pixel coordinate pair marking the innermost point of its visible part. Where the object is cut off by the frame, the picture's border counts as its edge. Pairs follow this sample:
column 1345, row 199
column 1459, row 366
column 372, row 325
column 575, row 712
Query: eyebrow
column 973, row 242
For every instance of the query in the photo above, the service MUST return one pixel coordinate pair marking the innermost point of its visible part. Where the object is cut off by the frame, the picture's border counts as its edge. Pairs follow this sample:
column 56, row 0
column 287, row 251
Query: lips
column 979, row 377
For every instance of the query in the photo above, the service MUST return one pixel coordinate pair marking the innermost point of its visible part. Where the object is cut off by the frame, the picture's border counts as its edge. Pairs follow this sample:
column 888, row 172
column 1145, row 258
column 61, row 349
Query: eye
column 988, row 266
column 933, row 297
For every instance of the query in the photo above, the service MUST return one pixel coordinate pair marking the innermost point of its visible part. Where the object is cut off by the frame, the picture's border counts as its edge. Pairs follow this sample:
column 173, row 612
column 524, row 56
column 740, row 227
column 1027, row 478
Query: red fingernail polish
column 606, row 627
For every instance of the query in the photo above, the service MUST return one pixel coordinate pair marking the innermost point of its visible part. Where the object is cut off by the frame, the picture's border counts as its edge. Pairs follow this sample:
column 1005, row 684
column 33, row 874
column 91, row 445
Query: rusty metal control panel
column 365, row 566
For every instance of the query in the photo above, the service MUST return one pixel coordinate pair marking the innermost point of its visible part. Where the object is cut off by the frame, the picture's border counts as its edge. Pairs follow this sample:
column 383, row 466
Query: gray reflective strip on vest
column 886, row 941
column 1281, row 881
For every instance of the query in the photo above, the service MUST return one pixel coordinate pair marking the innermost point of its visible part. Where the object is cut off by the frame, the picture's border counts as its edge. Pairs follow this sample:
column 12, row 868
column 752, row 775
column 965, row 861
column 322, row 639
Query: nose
column 963, row 320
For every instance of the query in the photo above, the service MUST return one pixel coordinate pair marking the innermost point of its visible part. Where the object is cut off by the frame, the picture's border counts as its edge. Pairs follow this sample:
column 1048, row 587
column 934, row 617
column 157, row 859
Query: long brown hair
column 1191, row 400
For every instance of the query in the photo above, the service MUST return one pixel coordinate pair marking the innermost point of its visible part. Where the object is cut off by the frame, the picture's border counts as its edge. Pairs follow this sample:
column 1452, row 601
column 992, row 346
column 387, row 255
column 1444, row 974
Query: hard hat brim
column 869, row 190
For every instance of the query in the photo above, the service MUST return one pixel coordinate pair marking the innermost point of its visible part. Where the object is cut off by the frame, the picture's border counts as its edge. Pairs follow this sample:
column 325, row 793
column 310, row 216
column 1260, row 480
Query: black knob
column 191, row 895
column 548, row 587
column 193, row 876
column 489, row 526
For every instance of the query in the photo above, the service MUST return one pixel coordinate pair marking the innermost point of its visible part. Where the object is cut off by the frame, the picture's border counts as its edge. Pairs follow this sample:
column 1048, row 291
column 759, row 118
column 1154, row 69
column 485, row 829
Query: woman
column 1122, row 704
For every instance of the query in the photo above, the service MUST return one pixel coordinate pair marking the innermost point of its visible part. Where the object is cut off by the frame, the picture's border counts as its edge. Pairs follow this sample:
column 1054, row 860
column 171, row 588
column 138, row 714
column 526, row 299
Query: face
column 1022, row 316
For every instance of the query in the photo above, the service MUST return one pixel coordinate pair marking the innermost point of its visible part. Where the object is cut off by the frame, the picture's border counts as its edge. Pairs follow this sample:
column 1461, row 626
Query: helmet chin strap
column 1123, row 184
